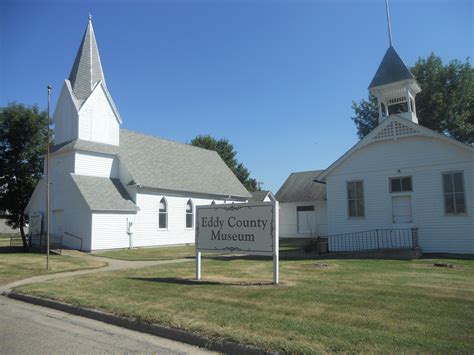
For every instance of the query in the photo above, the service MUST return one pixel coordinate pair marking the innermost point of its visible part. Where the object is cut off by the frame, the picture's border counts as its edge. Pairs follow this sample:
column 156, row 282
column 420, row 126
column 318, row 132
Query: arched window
column 163, row 214
column 189, row 214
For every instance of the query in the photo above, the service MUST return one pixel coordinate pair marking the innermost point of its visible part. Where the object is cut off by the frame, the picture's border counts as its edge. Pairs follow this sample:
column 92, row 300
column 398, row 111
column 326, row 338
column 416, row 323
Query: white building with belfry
column 402, row 185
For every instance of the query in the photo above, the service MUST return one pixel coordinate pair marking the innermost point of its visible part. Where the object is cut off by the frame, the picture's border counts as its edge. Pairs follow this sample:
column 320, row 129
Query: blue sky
column 276, row 78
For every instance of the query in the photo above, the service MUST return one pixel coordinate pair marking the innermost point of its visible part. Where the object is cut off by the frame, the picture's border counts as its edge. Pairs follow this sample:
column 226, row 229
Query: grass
column 183, row 251
column 381, row 306
column 161, row 253
column 5, row 239
column 17, row 266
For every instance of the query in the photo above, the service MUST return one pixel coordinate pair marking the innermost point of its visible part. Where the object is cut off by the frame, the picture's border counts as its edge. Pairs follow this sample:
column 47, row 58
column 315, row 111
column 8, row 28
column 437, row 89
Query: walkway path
column 113, row 264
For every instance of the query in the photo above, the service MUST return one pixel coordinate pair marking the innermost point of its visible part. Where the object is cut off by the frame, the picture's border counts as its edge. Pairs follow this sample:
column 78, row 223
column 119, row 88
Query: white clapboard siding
column 109, row 230
column 76, row 218
column 97, row 121
column 65, row 117
column 147, row 232
column 66, row 201
column 96, row 164
column 289, row 219
column 60, row 163
column 424, row 159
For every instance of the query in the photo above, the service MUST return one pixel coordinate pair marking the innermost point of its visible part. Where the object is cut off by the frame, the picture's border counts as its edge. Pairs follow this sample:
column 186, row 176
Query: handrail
column 14, row 237
column 375, row 239
column 76, row 237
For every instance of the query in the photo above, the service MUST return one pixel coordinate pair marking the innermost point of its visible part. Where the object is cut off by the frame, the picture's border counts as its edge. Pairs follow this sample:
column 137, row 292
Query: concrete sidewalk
column 113, row 264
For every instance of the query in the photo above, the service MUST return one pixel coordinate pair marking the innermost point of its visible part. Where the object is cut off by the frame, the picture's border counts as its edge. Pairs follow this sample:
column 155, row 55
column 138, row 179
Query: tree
column 445, row 103
column 227, row 153
column 23, row 139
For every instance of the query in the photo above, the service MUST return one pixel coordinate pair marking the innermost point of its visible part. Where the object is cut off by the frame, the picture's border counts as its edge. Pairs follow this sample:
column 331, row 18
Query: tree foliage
column 23, row 139
column 228, row 154
column 445, row 103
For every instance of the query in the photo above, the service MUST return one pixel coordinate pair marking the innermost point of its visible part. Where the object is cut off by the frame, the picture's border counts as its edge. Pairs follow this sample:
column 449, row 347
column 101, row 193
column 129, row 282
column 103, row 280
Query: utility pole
column 48, row 182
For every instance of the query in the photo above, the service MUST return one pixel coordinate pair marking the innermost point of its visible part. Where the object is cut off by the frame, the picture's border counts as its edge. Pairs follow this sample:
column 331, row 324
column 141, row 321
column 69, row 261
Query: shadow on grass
column 9, row 249
column 193, row 282
column 306, row 256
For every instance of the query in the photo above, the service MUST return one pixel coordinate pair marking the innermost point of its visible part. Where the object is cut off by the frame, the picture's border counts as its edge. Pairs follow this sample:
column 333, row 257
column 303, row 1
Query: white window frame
column 400, row 178
column 186, row 213
column 165, row 213
column 454, row 192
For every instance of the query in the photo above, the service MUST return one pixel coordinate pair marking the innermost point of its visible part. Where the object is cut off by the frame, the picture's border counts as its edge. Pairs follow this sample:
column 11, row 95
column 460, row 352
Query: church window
column 401, row 184
column 454, row 197
column 163, row 214
column 355, row 198
column 189, row 214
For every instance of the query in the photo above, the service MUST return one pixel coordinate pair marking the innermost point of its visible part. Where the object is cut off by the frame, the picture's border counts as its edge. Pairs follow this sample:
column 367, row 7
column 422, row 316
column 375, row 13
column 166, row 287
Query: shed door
column 401, row 210
column 306, row 219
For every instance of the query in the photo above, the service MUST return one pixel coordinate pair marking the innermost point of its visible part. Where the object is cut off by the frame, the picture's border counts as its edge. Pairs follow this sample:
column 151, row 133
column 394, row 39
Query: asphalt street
column 31, row 329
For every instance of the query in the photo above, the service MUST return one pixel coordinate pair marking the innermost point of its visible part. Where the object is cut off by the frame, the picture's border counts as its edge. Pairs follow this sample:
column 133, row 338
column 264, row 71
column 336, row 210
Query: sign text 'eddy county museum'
column 246, row 228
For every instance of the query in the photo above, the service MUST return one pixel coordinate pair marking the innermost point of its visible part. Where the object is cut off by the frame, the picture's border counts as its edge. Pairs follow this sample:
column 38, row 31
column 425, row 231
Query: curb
column 183, row 336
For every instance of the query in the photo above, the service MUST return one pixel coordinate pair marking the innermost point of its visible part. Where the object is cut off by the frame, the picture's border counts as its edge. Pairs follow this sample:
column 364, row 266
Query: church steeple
column 394, row 85
column 87, row 70
column 85, row 109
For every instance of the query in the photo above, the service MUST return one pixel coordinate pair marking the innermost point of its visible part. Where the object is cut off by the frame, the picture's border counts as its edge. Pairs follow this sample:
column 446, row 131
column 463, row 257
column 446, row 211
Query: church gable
column 65, row 116
column 391, row 132
column 98, row 121
column 394, row 130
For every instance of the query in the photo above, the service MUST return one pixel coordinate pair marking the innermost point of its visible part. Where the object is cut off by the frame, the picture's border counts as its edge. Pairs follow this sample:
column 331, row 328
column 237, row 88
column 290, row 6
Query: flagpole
column 47, row 183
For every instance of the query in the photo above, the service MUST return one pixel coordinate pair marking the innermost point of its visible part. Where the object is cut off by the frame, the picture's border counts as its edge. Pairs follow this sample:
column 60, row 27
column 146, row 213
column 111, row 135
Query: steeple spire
column 393, row 84
column 388, row 24
column 87, row 70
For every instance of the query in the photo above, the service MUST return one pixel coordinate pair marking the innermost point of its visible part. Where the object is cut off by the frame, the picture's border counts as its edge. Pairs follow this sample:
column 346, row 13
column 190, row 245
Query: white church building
column 114, row 188
column 401, row 176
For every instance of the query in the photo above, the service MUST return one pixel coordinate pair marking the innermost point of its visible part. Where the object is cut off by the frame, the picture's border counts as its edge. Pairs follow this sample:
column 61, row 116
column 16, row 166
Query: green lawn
column 184, row 251
column 161, row 253
column 381, row 306
column 5, row 240
column 17, row 266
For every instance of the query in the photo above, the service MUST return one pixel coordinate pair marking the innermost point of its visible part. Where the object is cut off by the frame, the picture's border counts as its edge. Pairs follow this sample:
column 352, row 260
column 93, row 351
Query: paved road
column 30, row 329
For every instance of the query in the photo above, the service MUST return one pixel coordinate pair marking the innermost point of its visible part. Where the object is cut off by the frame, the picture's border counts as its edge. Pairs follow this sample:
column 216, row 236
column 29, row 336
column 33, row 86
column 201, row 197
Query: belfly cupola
column 394, row 85
column 85, row 109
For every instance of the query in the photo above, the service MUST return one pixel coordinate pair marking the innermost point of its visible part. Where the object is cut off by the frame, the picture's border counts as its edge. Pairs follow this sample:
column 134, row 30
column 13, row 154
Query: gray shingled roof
column 158, row 163
column 301, row 187
column 87, row 146
column 259, row 196
column 391, row 69
column 104, row 194
column 87, row 70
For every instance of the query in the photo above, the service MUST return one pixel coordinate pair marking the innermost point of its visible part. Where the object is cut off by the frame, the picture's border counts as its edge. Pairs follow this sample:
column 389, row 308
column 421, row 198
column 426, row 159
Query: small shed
column 302, row 206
